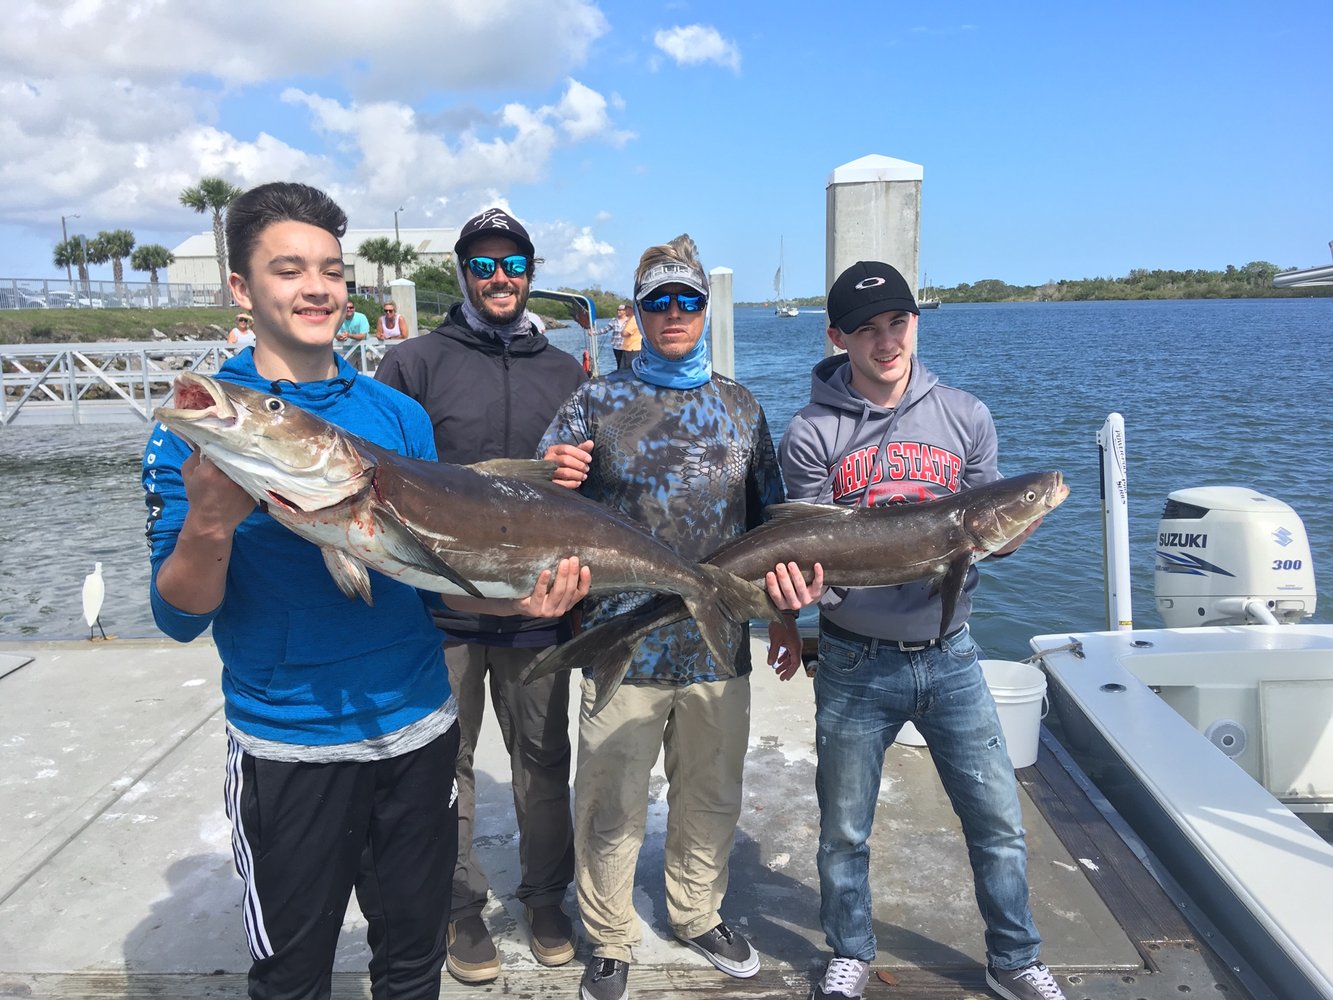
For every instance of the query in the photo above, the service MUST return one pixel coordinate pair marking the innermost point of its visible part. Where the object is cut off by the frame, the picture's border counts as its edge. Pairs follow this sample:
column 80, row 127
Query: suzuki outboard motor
column 1231, row 556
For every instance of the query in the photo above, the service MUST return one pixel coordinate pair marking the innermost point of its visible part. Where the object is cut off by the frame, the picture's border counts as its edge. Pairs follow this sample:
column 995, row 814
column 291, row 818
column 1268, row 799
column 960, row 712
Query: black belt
column 904, row 645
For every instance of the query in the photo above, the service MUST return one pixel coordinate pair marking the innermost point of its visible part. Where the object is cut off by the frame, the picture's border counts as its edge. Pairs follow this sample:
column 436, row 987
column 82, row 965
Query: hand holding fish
column 194, row 577
column 552, row 596
column 784, row 647
column 572, row 463
column 216, row 503
column 788, row 589
column 789, row 592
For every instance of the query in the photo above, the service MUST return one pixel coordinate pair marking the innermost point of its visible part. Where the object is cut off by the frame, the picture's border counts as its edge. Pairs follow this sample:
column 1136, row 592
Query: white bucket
column 910, row 736
column 1019, row 690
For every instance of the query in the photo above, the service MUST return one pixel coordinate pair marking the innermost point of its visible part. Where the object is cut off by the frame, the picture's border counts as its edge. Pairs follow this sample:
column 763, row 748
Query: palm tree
column 152, row 257
column 213, row 194
column 73, row 252
column 118, row 244
column 404, row 255
column 97, row 253
column 380, row 251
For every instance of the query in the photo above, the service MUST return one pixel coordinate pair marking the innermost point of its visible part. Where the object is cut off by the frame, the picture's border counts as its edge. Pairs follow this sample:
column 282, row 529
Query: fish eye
column 1030, row 496
column 274, row 405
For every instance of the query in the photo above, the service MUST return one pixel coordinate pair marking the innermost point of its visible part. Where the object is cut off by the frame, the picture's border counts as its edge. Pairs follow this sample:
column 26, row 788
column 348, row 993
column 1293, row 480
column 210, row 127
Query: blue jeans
column 864, row 692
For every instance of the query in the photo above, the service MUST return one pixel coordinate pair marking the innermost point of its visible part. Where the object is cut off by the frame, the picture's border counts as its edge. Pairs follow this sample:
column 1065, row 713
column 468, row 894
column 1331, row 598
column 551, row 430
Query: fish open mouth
column 197, row 399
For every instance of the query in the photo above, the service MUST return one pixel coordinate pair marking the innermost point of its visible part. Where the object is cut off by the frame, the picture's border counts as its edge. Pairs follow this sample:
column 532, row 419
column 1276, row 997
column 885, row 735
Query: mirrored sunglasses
column 514, row 266
column 687, row 303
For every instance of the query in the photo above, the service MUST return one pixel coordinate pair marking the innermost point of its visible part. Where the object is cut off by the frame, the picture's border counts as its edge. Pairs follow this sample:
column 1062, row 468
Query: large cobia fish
column 858, row 547
column 486, row 530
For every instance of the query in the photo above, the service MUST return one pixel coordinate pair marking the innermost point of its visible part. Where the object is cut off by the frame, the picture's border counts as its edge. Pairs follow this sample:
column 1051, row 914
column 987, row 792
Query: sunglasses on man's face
column 514, row 266
column 687, row 303
column 389, row 310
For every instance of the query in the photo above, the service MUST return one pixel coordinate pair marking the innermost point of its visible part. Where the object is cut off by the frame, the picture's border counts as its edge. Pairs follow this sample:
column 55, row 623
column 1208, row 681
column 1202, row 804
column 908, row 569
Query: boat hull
column 1257, row 872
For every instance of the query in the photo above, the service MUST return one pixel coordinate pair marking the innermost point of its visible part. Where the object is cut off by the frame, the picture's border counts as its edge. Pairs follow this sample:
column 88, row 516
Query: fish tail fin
column 605, row 651
column 735, row 602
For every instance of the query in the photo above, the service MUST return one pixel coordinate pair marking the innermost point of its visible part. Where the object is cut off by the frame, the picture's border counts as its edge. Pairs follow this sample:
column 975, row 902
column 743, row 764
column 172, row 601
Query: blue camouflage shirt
column 696, row 467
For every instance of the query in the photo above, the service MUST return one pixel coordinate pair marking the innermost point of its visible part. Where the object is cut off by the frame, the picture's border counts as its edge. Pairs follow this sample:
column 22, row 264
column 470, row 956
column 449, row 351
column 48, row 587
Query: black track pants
column 305, row 835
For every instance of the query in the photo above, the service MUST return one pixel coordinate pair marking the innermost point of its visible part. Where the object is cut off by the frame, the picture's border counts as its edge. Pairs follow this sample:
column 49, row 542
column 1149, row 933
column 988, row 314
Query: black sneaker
column 1032, row 983
column 726, row 949
column 471, row 956
column 552, row 935
column 605, row 979
column 844, row 979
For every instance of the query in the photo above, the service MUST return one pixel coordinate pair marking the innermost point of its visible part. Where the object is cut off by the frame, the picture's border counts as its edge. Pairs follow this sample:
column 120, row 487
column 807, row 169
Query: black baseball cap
column 866, row 289
column 493, row 222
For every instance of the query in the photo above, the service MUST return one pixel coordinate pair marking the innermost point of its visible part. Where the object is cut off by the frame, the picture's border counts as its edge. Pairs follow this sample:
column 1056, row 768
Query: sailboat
column 782, row 307
column 925, row 300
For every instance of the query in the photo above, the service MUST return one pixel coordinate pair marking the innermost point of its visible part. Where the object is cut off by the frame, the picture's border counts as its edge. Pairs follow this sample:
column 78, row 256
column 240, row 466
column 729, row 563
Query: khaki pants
column 534, row 723
column 705, row 728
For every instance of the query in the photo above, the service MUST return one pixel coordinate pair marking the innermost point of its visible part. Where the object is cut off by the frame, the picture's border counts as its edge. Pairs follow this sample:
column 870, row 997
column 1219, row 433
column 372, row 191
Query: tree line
column 211, row 196
column 1253, row 280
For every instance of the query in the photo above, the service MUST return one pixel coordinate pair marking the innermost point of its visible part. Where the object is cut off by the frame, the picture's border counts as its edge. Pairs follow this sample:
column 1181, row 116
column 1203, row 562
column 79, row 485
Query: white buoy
column 94, row 590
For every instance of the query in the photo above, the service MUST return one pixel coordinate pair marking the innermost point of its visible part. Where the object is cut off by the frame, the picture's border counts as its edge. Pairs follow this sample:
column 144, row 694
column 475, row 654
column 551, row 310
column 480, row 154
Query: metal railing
column 96, row 383
column 45, row 384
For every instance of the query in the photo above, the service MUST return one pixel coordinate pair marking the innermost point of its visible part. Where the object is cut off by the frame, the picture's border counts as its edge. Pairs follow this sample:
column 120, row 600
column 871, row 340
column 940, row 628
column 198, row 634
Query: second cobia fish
column 936, row 540
column 486, row 530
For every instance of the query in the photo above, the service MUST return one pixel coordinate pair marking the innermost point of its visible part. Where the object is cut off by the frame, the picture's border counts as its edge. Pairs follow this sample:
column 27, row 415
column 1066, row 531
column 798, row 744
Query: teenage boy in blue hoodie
column 341, row 729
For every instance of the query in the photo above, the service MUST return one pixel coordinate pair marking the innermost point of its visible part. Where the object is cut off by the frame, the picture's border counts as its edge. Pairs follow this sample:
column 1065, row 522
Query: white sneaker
column 844, row 979
column 1032, row 983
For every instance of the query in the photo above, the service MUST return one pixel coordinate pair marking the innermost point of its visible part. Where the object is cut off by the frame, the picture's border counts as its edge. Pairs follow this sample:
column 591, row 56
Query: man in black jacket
column 491, row 383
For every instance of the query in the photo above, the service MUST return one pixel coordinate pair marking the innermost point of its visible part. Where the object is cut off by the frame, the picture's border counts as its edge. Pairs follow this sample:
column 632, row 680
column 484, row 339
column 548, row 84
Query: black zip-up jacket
column 486, row 400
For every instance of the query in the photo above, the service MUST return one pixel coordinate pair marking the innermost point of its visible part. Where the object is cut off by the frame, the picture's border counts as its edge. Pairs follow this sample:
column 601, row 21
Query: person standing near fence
column 491, row 383
column 354, row 325
column 390, row 327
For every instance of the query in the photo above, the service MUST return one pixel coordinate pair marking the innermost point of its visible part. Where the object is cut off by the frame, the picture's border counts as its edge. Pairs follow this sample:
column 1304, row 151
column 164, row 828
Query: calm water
column 1213, row 393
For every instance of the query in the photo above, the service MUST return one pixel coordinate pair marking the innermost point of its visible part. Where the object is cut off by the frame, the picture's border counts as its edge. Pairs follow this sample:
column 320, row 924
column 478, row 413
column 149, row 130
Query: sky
column 1057, row 140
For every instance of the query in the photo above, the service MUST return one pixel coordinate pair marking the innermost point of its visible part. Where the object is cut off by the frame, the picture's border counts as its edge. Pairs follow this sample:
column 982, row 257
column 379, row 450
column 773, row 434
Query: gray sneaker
column 1034, row 982
column 844, row 979
column 605, row 979
column 471, row 956
column 726, row 949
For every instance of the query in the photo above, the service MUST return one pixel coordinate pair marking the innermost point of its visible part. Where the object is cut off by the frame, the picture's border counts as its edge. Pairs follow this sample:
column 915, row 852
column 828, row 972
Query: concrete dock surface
column 117, row 877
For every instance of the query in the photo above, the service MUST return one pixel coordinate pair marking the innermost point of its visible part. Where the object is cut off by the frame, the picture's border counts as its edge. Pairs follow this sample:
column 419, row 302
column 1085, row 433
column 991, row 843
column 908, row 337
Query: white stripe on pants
column 705, row 728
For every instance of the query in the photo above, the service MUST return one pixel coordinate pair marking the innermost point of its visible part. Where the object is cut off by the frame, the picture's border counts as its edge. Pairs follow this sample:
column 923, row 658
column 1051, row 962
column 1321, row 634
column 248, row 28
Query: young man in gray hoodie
column 881, row 428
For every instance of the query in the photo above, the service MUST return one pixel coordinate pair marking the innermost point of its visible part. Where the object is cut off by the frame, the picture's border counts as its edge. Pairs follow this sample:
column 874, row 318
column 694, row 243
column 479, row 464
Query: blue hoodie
column 301, row 663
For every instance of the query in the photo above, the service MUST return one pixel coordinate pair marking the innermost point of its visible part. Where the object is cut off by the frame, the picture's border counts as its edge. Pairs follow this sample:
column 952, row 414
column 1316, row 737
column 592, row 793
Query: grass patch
column 86, row 326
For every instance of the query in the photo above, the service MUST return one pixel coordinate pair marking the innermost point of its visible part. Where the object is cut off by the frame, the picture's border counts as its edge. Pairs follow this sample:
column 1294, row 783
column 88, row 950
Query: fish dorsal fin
column 534, row 471
column 800, row 510
column 348, row 573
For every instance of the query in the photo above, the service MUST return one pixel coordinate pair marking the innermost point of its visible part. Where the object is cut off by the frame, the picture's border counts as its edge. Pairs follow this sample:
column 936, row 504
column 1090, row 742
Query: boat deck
column 116, row 877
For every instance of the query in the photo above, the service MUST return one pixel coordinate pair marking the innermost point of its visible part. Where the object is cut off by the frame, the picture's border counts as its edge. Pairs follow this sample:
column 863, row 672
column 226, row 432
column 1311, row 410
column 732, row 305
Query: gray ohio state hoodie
column 841, row 448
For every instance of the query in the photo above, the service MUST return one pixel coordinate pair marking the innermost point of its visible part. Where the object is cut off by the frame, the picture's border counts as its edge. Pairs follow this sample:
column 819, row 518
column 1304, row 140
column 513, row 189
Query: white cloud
column 401, row 47
column 697, row 43
column 111, row 108
column 574, row 256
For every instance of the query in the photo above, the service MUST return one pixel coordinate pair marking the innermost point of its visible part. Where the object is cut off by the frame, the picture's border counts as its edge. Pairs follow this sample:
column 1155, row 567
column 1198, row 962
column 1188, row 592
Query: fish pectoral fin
column 951, row 588
column 348, row 573
column 534, row 471
column 404, row 546
column 800, row 510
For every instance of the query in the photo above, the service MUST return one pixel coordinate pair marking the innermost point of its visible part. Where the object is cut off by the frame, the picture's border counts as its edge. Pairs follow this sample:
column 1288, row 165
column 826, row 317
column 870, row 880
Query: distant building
column 196, row 263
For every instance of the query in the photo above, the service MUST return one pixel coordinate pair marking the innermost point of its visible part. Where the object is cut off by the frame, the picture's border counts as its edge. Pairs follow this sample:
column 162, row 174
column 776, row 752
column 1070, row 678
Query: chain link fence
column 40, row 293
